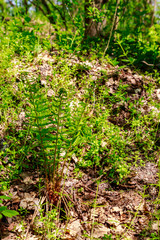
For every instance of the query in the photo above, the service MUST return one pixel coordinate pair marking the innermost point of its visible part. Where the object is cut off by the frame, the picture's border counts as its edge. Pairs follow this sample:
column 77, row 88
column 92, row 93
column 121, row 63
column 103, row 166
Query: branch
column 60, row 13
column 37, row 6
column 11, row 3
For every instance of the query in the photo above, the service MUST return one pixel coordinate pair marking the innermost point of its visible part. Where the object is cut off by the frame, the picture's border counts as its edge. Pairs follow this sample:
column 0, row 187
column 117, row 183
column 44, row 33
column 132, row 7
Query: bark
column 92, row 28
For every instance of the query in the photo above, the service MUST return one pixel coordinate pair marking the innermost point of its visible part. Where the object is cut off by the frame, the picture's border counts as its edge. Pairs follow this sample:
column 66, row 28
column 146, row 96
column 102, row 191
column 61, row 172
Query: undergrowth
column 43, row 132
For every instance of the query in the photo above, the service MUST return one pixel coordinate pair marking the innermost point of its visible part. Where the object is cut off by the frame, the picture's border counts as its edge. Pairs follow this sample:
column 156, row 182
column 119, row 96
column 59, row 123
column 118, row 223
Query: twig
column 150, row 64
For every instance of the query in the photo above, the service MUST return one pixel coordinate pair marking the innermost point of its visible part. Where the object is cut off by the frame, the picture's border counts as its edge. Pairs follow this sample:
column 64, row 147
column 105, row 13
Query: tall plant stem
column 111, row 32
column 55, row 169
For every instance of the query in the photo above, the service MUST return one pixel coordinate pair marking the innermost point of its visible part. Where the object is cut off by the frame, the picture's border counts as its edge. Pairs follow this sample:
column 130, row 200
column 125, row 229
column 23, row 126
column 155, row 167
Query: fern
column 53, row 133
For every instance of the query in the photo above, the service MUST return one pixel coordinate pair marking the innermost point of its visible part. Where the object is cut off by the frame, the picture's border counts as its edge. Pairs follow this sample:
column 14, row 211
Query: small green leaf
column 5, row 197
column 27, row 19
column 1, row 216
column 10, row 213
column 2, row 208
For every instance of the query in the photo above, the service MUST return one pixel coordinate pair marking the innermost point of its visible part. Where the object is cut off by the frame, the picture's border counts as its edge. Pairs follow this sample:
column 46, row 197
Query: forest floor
column 99, row 208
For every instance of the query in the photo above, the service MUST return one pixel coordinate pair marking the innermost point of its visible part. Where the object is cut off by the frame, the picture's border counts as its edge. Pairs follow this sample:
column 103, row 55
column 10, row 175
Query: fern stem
column 55, row 169
column 39, row 129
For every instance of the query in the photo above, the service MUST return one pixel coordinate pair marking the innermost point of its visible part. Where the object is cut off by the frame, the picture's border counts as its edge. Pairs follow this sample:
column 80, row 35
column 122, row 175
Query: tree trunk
column 91, row 26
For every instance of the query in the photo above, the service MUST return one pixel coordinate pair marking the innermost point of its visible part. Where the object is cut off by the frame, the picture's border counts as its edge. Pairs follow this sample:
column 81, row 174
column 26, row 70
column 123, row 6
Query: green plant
column 47, row 132
column 23, row 212
column 4, row 211
column 154, row 236
column 47, row 225
column 133, row 51
column 53, row 133
column 107, row 237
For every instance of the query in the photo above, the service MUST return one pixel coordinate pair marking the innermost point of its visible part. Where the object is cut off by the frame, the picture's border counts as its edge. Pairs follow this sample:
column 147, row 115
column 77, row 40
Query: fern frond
column 53, row 129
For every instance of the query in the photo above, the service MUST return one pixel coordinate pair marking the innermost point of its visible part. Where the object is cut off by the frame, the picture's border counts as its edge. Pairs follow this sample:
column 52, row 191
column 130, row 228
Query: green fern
column 52, row 133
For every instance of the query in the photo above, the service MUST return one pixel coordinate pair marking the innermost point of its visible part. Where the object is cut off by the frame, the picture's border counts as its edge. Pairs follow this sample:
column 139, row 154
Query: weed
column 4, row 211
